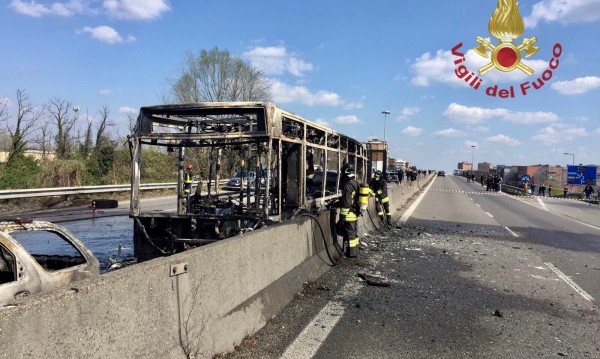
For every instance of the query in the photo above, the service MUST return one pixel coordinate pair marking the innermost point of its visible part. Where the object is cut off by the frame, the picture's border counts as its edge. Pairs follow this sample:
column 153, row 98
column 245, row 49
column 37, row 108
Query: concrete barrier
column 203, row 301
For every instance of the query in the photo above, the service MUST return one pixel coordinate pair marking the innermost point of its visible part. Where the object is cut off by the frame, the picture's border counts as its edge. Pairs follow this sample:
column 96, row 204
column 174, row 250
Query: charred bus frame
column 297, row 162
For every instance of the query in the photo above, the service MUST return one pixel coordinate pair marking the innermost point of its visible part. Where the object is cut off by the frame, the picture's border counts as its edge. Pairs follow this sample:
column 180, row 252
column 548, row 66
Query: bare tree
column 42, row 138
column 103, row 125
column 3, row 115
column 27, row 117
column 60, row 112
column 131, row 118
column 86, row 147
column 218, row 76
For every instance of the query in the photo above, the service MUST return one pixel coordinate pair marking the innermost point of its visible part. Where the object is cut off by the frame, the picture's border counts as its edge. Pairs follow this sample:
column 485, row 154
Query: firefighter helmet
column 348, row 170
column 377, row 174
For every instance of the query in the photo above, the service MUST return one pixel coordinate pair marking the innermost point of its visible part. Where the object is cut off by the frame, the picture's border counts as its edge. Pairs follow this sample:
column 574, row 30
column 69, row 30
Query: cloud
column 449, row 132
column 136, row 9
column 428, row 68
column 277, row 61
column 434, row 68
column 504, row 139
column 284, row 93
column 412, row 131
column 322, row 122
column 408, row 112
column 474, row 115
column 107, row 34
column 549, row 135
column 104, row 92
column 126, row 109
column 346, row 120
column 120, row 9
column 469, row 143
column 471, row 115
column 564, row 12
column 355, row 105
column 578, row 86
column 531, row 117
column 34, row 9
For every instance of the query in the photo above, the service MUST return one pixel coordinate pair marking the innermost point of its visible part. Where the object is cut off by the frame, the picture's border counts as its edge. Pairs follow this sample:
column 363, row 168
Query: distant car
column 241, row 180
column 392, row 177
column 441, row 174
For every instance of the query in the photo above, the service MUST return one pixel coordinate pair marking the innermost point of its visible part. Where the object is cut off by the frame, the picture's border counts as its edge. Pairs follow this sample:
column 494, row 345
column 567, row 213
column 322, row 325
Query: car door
column 17, row 279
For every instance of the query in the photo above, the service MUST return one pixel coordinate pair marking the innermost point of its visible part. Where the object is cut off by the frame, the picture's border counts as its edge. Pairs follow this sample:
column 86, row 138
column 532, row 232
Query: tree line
column 74, row 155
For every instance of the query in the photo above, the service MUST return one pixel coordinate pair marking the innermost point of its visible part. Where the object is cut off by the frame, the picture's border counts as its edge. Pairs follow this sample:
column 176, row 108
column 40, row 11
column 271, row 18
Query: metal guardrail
column 65, row 191
column 514, row 190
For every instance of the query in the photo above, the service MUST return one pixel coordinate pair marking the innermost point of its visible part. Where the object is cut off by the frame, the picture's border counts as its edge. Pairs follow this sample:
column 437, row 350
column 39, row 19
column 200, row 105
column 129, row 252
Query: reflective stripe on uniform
column 379, row 192
column 385, row 200
column 353, row 242
column 351, row 217
column 344, row 211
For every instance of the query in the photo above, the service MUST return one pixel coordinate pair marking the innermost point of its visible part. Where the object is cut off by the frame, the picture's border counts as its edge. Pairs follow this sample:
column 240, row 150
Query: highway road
column 473, row 274
column 563, row 232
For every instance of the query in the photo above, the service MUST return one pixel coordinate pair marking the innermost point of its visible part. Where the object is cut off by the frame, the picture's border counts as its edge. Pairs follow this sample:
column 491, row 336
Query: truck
column 39, row 256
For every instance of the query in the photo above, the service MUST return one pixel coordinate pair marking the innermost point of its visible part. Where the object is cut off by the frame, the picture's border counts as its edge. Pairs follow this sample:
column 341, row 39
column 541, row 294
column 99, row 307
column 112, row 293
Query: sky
column 340, row 63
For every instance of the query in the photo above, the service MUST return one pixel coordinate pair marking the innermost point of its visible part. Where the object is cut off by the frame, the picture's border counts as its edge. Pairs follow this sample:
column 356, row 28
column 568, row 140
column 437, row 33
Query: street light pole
column 567, row 174
column 473, row 159
column 385, row 113
column 570, row 154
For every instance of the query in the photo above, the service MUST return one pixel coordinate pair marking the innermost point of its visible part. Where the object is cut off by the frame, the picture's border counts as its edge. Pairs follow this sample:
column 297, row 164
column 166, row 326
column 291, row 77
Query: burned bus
column 295, row 165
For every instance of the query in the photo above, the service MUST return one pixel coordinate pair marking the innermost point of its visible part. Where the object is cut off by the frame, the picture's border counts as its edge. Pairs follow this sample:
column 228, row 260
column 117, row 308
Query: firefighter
column 187, row 179
column 350, row 210
column 378, row 187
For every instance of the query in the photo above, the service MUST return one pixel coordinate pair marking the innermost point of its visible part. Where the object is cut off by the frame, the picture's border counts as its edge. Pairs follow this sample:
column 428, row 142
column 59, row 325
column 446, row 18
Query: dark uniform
column 378, row 187
column 350, row 210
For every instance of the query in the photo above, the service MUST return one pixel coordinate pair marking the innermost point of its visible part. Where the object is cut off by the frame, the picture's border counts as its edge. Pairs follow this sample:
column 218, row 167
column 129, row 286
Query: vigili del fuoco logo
column 506, row 25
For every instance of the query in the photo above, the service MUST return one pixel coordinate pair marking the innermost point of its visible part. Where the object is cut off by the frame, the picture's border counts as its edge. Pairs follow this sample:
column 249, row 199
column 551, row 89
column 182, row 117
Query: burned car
column 37, row 256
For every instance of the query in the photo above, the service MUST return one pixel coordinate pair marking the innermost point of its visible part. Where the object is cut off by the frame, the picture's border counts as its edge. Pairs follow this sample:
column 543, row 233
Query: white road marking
column 478, row 205
column 542, row 204
column 555, row 213
column 511, row 232
column 489, row 214
column 312, row 337
column 570, row 282
column 412, row 208
column 314, row 334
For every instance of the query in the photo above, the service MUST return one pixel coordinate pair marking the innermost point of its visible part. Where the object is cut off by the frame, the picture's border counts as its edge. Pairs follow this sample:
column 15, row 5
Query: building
column 465, row 166
column 377, row 154
column 37, row 155
column 550, row 176
column 484, row 167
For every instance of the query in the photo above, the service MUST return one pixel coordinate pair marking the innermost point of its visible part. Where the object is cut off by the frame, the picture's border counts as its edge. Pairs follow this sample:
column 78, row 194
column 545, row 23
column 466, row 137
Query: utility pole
column 385, row 113
column 473, row 159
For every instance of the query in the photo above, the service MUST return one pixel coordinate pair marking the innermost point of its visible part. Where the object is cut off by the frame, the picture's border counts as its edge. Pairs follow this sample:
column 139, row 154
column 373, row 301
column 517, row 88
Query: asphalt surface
column 472, row 274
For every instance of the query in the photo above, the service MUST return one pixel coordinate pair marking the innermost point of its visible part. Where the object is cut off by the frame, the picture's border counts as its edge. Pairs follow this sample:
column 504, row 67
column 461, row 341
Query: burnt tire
column 105, row 203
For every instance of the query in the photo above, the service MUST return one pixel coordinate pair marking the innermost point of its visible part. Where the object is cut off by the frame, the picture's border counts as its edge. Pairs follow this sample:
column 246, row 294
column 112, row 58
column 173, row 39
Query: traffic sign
column 525, row 178
column 581, row 175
